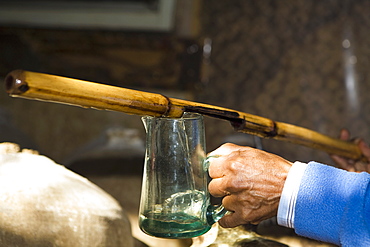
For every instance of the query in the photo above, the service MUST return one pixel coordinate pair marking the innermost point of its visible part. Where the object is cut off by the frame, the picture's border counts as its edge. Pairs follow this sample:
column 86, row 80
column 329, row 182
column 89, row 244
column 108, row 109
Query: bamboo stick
column 52, row 88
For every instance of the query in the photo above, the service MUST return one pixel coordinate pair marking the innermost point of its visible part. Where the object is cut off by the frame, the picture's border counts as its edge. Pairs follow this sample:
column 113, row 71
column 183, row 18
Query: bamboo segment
column 45, row 87
column 64, row 90
column 310, row 138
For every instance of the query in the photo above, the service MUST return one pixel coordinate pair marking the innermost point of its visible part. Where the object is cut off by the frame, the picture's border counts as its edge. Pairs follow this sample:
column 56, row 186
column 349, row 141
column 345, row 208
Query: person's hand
column 250, row 180
column 349, row 164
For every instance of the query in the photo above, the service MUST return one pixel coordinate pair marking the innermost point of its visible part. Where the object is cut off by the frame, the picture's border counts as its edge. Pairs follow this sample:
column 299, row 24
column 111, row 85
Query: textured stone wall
column 301, row 62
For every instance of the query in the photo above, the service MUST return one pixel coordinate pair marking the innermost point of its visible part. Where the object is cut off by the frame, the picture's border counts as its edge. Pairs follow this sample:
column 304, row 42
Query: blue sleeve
column 333, row 206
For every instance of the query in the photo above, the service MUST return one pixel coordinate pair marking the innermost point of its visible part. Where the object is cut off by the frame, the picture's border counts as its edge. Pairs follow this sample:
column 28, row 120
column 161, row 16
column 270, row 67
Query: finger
column 216, row 166
column 219, row 151
column 344, row 135
column 364, row 149
column 217, row 188
column 224, row 149
column 237, row 214
column 231, row 219
column 342, row 163
column 218, row 159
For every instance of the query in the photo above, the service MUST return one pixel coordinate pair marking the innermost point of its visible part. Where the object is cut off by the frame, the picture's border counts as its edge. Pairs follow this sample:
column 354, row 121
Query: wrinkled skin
column 250, row 182
column 352, row 165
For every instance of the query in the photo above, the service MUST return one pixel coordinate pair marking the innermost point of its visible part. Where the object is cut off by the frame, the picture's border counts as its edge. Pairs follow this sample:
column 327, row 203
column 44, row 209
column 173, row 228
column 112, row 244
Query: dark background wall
column 301, row 62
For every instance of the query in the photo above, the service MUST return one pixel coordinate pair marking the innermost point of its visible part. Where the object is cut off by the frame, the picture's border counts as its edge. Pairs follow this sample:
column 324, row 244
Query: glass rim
column 185, row 116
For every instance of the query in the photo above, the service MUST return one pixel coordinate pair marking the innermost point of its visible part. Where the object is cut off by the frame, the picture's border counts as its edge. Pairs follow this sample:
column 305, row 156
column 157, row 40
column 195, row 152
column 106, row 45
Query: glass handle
column 214, row 212
column 206, row 162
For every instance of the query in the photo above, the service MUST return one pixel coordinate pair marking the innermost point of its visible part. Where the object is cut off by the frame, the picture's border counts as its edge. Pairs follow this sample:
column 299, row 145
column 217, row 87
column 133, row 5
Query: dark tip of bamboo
column 14, row 84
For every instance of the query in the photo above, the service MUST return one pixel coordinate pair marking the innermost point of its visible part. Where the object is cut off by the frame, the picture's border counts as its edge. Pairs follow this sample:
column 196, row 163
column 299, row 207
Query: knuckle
column 228, row 145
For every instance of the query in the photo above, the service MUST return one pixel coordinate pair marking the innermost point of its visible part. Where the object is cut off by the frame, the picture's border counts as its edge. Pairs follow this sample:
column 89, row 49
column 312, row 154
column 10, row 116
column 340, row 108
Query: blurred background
column 301, row 62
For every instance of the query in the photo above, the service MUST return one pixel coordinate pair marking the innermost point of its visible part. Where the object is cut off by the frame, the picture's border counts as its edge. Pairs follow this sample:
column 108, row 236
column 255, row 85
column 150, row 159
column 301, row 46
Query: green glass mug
column 175, row 202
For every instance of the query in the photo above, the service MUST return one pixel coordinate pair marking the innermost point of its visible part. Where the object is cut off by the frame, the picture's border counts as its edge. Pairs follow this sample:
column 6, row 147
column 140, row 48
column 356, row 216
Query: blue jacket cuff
column 331, row 205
